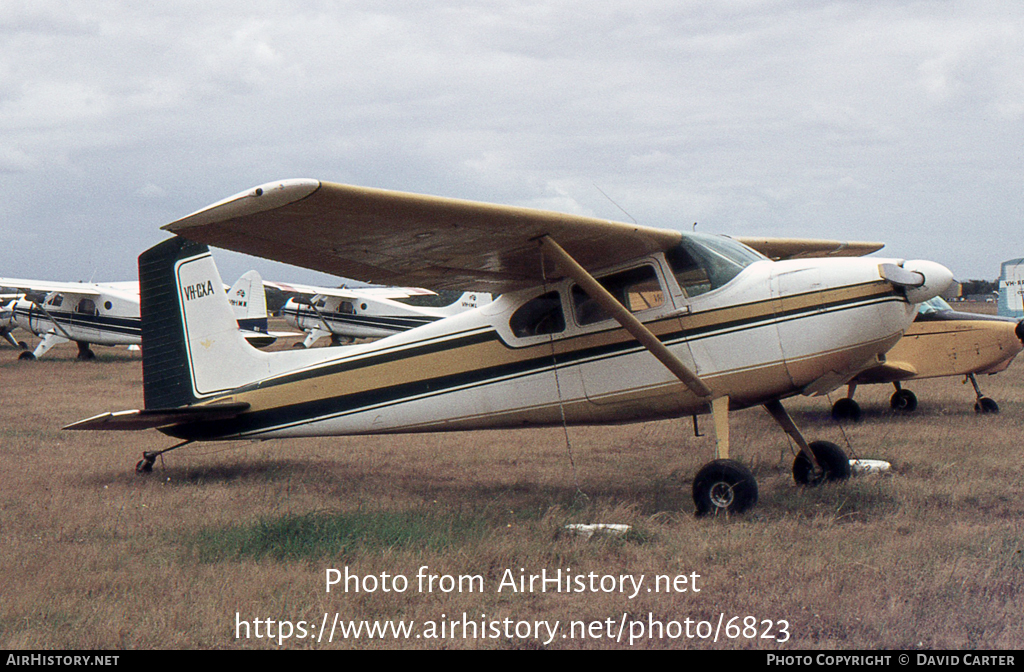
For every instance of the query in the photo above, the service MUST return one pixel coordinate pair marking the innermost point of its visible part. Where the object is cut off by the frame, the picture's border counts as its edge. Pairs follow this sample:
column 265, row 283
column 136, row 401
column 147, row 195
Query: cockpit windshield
column 932, row 306
column 702, row 262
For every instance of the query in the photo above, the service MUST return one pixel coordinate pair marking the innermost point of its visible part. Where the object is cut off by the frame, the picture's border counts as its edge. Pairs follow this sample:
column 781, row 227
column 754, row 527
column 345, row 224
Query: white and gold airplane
column 348, row 313
column 597, row 322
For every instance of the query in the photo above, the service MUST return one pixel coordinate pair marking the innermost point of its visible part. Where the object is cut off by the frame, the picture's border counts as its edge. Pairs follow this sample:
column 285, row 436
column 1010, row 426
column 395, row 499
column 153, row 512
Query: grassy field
column 94, row 556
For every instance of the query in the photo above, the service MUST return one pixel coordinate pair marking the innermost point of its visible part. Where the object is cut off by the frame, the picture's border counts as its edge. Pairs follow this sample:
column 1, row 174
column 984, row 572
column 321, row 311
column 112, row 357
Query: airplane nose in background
column 1020, row 331
column 936, row 279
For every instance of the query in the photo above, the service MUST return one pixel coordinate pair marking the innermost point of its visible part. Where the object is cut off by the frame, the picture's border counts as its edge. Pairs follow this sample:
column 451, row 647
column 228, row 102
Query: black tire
column 903, row 401
column 26, row 356
column 724, row 487
column 846, row 409
column 834, row 463
column 986, row 405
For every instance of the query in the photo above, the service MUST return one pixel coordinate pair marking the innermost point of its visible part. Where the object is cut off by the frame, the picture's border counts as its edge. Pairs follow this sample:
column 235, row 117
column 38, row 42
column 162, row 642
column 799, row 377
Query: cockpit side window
column 692, row 278
column 56, row 300
column 637, row 289
column 702, row 263
column 539, row 316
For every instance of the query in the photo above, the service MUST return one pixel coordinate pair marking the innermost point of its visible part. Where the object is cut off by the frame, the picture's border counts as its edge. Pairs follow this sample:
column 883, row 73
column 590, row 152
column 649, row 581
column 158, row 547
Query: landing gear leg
column 723, row 486
column 145, row 465
column 816, row 462
column 983, row 404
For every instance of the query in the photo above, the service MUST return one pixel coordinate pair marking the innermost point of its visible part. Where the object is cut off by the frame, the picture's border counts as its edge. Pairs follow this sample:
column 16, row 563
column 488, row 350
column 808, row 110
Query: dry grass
column 93, row 556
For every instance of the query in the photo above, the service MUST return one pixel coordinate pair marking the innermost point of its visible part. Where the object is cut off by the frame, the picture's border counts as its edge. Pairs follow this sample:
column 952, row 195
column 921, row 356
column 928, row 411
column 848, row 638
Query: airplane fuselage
column 112, row 318
column 354, row 317
column 776, row 329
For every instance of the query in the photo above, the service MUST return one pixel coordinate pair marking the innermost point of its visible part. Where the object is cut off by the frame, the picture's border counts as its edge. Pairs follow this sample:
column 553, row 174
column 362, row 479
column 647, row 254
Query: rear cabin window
column 637, row 289
column 87, row 307
column 539, row 316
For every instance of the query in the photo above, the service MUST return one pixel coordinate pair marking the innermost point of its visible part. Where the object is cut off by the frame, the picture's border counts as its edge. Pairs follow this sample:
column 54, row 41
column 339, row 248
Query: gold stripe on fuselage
column 482, row 349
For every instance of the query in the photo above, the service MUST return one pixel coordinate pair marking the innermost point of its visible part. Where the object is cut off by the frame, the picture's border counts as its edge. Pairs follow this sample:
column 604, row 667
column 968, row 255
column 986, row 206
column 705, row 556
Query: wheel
column 23, row 345
column 903, row 401
column 26, row 356
column 724, row 486
column 144, row 466
column 86, row 355
column 834, row 463
column 986, row 405
column 846, row 409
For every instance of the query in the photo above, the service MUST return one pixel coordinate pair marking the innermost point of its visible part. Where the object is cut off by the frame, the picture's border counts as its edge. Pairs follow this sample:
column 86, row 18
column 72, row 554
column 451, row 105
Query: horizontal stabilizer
column 159, row 417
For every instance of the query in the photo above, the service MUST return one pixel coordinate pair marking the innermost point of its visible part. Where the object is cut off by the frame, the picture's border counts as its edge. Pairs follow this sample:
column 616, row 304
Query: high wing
column 800, row 248
column 46, row 286
column 348, row 292
column 399, row 238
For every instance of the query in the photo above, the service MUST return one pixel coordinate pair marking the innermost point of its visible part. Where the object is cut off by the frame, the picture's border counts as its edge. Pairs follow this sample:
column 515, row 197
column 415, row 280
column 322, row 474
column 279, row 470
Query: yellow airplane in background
column 597, row 322
column 941, row 342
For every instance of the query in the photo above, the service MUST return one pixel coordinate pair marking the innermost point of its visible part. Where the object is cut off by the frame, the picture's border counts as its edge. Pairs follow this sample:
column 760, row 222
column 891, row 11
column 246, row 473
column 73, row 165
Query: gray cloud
column 892, row 121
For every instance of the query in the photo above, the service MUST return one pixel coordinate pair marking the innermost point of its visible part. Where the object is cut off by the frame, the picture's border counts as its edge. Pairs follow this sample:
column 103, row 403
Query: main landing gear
column 902, row 401
column 905, row 401
column 725, row 486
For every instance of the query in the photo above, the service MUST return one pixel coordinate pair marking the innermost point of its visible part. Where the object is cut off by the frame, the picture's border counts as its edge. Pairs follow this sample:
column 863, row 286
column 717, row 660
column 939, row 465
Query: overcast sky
column 901, row 122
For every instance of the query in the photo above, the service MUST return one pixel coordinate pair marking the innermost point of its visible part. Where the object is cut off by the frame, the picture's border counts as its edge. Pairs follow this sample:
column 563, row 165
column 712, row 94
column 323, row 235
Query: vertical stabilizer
column 467, row 301
column 191, row 347
column 248, row 299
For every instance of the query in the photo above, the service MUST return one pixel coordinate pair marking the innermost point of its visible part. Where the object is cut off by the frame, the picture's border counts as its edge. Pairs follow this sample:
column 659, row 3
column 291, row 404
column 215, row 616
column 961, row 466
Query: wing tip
column 261, row 198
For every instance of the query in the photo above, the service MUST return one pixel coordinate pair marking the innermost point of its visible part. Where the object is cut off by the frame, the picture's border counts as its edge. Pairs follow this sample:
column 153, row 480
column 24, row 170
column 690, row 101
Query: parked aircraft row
column 109, row 313
column 106, row 313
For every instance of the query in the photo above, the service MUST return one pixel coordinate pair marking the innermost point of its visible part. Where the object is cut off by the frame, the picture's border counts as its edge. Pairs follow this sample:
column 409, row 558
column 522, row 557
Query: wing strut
column 719, row 406
column 634, row 326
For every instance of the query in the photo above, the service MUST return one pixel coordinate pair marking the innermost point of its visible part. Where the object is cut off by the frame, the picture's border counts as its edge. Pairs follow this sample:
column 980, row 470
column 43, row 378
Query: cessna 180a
column 597, row 322
column 941, row 342
column 345, row 314
column 108, row 313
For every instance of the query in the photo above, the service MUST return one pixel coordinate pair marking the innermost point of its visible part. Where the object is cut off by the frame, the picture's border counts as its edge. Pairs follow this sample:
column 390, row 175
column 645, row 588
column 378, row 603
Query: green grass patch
column 319, row 535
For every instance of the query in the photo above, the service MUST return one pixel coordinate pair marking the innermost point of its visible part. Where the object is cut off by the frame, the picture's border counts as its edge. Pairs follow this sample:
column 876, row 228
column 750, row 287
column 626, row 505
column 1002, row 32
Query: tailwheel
column 846, row 409
column 835, row 466
column 986, row 405
column 903, row 401
column 145, row 465
column 723, row 487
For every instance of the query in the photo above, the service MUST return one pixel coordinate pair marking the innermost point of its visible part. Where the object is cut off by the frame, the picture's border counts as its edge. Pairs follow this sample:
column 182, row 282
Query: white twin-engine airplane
column 345, row 313
column 108, row 313
column 597, row 322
